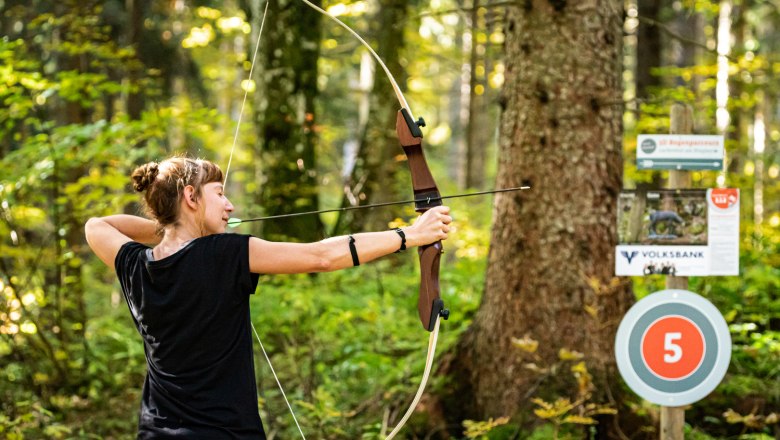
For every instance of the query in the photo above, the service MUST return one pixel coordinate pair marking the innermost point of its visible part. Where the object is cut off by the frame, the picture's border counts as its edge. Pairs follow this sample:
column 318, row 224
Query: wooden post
column 681, row 117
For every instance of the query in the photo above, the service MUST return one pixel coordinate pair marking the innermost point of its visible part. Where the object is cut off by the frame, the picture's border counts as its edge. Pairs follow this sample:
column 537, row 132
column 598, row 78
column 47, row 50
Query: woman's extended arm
column 334, row 253
column 106, row 235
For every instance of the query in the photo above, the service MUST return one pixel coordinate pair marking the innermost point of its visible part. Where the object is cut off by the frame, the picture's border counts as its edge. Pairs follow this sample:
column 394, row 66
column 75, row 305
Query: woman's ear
column 189, row 197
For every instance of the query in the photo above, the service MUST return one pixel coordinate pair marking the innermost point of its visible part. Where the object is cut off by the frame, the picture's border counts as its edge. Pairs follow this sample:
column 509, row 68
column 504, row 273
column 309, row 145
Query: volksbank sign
column 679, row 152
column 666, row 260
column 672, row 254
column 678, row 232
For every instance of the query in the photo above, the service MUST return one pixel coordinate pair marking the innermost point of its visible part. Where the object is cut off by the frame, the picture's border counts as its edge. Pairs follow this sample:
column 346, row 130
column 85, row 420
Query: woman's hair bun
column 144, row 176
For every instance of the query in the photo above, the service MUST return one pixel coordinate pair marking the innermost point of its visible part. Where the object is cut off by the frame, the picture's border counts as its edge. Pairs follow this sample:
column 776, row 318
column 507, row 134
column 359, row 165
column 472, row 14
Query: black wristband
column 403, row 240
column 353, row 251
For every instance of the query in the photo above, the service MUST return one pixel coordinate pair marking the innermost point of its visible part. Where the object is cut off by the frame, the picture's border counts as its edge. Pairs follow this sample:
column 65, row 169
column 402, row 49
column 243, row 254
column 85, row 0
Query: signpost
column 680, row 122
column 673, row 347
column 679, row 152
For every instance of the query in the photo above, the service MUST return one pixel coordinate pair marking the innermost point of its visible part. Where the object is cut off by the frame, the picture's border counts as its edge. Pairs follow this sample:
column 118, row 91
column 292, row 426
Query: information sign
column 679, row 152
column 678, row 232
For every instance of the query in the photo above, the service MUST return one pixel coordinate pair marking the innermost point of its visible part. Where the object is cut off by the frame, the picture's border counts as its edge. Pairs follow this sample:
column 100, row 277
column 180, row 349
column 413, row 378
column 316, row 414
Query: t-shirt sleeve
column 231, row 254
column 125, row 260
column 125, row 265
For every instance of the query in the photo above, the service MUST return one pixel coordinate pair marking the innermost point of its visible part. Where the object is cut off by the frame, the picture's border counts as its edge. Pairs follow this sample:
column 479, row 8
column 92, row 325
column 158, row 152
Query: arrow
column 235, row 222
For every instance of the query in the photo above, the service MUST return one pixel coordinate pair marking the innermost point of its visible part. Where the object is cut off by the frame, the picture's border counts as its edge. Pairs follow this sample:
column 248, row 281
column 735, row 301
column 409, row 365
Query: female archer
column 189, row 294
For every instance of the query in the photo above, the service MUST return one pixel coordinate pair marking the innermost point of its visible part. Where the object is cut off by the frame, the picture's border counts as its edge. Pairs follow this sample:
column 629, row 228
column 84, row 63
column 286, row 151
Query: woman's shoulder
column 225, row 241
column 226, row 236
column 132, row 247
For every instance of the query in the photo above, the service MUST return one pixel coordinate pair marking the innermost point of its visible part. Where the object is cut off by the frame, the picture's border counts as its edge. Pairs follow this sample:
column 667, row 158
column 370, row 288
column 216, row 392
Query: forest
column 546, row 94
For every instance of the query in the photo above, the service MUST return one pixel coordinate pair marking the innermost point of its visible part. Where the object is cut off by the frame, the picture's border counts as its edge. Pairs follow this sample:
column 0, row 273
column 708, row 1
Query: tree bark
column 551, row 264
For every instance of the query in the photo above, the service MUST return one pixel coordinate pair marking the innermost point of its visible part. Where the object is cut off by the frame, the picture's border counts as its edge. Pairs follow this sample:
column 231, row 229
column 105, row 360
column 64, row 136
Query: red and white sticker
column 724, row 198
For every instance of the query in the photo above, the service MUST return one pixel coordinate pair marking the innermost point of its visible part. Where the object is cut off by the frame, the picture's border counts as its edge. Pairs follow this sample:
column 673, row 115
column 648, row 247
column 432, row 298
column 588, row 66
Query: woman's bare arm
column 334, row 254
column 106, row 235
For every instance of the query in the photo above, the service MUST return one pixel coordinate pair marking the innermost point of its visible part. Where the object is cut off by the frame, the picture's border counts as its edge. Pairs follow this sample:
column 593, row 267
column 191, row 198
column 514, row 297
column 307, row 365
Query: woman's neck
column 175, row 237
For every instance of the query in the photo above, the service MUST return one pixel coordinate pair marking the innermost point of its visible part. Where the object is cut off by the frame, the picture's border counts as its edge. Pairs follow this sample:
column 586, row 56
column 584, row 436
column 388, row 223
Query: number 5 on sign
column 673, row 347
column 669, row 345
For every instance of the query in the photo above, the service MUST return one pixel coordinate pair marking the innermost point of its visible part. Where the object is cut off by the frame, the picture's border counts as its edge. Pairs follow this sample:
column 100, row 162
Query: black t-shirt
column 192, row 311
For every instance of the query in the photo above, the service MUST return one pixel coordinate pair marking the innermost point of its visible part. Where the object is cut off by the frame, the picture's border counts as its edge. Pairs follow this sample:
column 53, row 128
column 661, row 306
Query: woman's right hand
column 433, row 225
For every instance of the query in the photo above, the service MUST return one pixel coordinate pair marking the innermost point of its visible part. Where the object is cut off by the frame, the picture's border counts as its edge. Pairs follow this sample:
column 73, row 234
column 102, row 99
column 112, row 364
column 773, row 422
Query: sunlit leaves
column 526, row 344
column 480, row 429
column 565, row 354
column 84, row 88
column 549, row 410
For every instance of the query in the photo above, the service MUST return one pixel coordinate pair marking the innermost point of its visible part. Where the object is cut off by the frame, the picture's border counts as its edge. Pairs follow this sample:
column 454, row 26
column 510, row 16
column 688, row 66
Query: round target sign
column 673, row 347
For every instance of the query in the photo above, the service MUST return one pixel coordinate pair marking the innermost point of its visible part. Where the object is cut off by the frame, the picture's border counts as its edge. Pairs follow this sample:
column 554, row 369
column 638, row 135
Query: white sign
column 679, row 152
column 678, row 232
column 673, row 347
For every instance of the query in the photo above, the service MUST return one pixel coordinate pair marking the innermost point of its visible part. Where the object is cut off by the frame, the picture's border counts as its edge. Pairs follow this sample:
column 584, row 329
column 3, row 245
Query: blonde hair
column 164, row 184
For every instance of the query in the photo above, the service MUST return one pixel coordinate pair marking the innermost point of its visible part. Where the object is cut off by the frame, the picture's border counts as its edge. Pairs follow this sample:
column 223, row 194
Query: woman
column 189, row 294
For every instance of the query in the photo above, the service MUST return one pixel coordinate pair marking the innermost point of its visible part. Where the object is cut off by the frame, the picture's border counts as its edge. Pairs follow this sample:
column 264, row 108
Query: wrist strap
column 403, row 240
column 353, row 251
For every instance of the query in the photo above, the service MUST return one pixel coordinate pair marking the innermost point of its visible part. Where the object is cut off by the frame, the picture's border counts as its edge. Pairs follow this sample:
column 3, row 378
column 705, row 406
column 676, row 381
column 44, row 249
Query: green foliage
column 68, row 349
column 348, row 346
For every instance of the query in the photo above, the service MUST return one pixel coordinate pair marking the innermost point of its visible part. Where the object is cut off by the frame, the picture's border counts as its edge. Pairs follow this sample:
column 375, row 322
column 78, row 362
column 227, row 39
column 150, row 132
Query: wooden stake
column 672, row 423
column 681, row 118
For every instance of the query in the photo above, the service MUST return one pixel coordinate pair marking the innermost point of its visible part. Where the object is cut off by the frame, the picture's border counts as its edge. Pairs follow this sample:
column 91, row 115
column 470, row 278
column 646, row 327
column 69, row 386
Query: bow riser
column 429, row 303
column 426, row 194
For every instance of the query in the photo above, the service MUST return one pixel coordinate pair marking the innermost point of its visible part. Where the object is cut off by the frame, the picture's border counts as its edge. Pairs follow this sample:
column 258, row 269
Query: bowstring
column 268, row 359
column 224, row 183
column 246, row 93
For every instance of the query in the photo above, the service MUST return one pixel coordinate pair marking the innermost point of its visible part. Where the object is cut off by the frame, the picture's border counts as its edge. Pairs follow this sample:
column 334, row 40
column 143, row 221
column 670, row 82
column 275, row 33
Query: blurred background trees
column 91, row 89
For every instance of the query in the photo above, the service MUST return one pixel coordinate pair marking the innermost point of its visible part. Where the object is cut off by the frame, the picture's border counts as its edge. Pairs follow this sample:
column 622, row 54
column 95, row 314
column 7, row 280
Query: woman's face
column 216, row 208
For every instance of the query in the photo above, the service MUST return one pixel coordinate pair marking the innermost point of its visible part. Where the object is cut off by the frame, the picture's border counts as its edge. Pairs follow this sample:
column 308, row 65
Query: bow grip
column 429, row 303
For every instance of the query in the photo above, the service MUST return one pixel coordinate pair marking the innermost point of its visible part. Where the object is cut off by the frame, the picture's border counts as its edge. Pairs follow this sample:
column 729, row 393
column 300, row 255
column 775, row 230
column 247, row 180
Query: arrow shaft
column 379, row 205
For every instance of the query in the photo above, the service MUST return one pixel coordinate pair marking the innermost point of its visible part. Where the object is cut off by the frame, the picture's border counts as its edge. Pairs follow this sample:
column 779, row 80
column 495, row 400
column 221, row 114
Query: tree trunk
column 375, row 169
column 551, row 264
column 648, row 47
column 286, row 119
column 478, row 133
column 457, row 114
column 136, row 10
column 649, row 50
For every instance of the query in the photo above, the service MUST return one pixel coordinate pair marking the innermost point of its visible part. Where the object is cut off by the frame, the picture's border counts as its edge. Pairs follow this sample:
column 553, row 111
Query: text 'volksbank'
column 673, row 254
